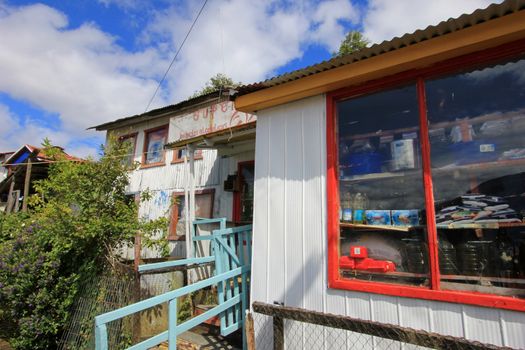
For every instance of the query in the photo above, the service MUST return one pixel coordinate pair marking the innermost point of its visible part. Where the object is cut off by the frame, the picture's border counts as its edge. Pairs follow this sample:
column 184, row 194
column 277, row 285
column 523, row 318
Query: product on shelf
column 476, row 258
column 359, row 260
column 403, row 154
column 477, row 209
column 405, row 217
column 416, row 255
column 359, row 216
column 378, row 217
column 448, row 264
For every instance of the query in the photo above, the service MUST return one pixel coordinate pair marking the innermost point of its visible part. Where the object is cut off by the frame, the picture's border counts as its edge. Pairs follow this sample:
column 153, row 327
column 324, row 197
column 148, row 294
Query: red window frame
column 145, row 146
column 418, row 77
column 176, row 159
column 174, row 213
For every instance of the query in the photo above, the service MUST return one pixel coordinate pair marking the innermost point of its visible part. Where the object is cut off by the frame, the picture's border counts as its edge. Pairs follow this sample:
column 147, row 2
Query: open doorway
column 243, row 199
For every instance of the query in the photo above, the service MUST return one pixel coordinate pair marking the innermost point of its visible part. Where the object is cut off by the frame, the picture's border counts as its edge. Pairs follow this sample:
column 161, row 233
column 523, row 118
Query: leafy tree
column 354, row 41
column 217, row 82
column 78, row 217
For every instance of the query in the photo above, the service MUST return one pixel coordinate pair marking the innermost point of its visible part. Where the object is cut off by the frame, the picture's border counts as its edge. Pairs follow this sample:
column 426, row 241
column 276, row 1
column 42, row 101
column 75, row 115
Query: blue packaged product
column 405, row 217
column 359, row 216
column 378, row 217
column 347, row 215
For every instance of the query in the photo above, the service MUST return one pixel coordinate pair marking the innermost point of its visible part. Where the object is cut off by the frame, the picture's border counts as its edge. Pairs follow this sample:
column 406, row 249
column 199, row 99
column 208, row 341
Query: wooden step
column 197, row 341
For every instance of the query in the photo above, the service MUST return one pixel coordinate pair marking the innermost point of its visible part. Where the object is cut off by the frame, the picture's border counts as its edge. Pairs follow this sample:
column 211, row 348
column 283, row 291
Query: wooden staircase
column 204, row 337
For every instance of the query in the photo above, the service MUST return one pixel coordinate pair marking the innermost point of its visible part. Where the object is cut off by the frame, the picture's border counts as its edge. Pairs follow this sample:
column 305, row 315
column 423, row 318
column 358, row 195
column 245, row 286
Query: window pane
column 476, row 129
column 155, row 146
column 382, row 236
column 129, row 144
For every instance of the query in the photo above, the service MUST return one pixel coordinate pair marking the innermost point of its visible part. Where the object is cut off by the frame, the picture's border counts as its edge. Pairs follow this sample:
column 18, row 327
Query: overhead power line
column 176, row 54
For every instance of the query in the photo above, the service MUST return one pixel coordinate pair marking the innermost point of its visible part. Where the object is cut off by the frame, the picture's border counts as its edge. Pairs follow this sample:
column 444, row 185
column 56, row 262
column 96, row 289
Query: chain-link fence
column 279, row 327
column 113, row 290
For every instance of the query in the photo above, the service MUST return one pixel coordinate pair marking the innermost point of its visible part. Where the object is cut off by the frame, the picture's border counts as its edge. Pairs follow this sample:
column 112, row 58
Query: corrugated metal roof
column 449, row 26
column 155, row 113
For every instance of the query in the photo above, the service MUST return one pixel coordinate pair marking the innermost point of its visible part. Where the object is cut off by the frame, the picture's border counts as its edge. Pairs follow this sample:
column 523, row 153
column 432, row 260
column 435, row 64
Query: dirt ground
column 5, row 345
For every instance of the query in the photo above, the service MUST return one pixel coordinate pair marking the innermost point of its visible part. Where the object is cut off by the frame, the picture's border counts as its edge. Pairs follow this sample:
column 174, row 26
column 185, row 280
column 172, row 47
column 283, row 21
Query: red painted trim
column 435, row 277
column 471, row 298
column 455, row 65
column 332, row 184
column 236, row 210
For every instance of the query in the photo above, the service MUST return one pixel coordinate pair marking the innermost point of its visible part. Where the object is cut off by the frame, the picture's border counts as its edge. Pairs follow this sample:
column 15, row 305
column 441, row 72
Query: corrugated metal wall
column 163, row 181
column 290, row 253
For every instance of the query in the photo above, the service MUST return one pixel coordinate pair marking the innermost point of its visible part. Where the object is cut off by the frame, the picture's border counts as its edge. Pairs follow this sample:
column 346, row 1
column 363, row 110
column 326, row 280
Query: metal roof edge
column 183, row 106
column 450, row 25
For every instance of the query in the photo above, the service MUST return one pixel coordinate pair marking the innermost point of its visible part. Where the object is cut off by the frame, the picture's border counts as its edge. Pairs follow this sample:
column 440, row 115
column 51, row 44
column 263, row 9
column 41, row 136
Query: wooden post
column 10, row 200
column 278, row 333
column 137, row 249
column 136, row 260
column 27, row 183
column 250, row 333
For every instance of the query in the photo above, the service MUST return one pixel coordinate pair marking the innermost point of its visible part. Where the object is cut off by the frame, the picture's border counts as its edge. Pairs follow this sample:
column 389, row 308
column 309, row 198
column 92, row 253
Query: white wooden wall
column 290, row 249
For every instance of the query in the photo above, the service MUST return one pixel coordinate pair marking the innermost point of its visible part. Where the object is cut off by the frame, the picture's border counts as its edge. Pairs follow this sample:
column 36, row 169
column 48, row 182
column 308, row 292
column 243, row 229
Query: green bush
column 78, row 218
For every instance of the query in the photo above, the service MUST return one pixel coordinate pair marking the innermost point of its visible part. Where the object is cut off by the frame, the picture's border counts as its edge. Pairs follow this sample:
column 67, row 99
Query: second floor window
column 154, row 141
column 129, row 141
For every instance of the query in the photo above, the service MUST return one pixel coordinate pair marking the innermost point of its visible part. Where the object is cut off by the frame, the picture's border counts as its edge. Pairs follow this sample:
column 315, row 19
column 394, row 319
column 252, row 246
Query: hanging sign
column 217, row 117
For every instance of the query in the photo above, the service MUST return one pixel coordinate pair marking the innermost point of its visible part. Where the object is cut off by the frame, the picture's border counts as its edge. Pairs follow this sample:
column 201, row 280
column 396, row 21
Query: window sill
column 152, row 165
column 178, row 161
column 460, row 297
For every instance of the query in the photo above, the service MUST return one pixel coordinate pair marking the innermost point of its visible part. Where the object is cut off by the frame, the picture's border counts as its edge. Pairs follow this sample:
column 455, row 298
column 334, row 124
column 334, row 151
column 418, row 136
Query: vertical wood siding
column 290, row 253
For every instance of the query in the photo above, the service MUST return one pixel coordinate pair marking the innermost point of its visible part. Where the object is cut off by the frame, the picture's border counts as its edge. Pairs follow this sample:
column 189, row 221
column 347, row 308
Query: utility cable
column 175, row 57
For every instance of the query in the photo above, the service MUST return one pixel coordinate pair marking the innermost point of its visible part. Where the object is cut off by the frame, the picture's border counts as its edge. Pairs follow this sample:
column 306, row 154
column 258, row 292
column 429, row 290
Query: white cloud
column 125, row 4
column 80, row 73
column 328, row 15
column 253, row 39
column 15, row 133
column 84, row 77
column 386, row 19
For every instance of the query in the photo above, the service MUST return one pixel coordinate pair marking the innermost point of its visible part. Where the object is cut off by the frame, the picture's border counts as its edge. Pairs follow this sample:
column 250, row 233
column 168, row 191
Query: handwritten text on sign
column 208, row 120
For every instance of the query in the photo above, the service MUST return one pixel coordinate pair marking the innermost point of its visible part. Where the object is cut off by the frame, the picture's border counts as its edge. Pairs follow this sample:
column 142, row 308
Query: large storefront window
column 382, row 232
column 477, row 128
column 431, row 187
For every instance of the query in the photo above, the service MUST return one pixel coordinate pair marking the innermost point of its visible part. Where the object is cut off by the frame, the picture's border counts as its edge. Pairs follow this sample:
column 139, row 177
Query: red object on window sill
column 359, row 260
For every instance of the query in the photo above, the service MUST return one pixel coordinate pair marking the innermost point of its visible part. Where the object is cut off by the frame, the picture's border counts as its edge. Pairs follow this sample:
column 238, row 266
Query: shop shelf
column 488, row 226
column 475, row 167
column 349, row 272
column 379, row 227
column 483, row 280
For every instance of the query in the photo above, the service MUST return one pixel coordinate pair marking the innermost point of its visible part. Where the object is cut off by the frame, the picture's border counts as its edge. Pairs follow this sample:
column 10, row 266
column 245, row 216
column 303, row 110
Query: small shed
column 22, row 168
column 390, row 184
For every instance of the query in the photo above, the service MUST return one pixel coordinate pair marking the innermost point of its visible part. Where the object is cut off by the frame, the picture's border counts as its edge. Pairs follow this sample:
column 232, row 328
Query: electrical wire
column 176, row 54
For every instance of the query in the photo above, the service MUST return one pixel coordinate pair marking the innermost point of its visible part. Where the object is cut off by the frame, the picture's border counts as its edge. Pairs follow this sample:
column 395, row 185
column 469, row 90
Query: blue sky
column 69, row 65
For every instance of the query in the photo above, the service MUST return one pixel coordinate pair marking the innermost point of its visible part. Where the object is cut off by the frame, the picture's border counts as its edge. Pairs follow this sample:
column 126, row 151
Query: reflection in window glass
column 155, row 141
column 382, row 235
column 476, row 131
column 203, row 209
column 129, row 142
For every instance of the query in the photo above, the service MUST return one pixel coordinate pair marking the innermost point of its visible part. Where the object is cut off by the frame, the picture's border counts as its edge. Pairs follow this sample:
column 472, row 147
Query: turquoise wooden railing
column 231, row 253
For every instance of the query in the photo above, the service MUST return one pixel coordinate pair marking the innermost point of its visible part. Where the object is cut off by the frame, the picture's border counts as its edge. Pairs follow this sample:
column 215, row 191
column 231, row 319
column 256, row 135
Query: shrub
column 78, row 217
